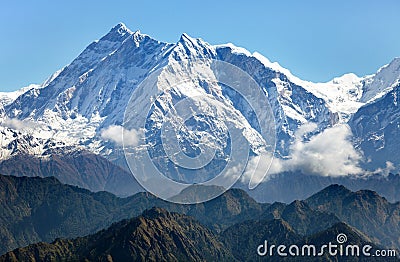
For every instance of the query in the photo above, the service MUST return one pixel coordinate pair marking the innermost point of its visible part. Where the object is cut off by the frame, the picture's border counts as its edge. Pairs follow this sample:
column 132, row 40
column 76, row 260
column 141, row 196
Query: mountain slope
column 36, row 209
column 305, row 220
column 382, row 82
column 42, row 209
column 78, row 168
column 244, row 238
column 378, row 136
column 157, row 235
column 353, row 237
column 364, row 210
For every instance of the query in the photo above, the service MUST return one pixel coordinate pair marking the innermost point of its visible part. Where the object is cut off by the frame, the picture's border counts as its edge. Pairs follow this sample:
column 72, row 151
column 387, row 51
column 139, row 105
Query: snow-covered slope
column 88, row 96
column 346, row 94
column 341, row 93
column 382, row 82
column 7, row 98
column 377, row 129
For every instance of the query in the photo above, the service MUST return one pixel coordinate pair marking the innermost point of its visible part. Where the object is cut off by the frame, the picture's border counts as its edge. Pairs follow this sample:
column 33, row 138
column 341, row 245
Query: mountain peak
column 369, row 194
column 188, row 47
column 118, row 32
column 195, row 193
column 189, row 41
column 335, row 189
column 346, row 78
column 121, row 28
column 334, row 192
column 185, row 37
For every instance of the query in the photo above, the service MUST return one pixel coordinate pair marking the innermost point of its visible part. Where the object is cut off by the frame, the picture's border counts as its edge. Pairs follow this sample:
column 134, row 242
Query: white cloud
column 329, row 153
column 122, row 136
column 19, row 125
column 385, row 171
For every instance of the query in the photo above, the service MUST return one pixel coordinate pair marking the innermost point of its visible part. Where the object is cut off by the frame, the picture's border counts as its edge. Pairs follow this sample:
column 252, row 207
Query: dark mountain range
column 364, row 210
column 42, row 209
column 301, row 217
column 244, row 238
column 353, row 237
column 156, row 235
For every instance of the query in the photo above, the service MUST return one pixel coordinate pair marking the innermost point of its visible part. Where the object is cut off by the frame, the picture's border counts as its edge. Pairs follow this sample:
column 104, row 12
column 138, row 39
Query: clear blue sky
column 316, row 40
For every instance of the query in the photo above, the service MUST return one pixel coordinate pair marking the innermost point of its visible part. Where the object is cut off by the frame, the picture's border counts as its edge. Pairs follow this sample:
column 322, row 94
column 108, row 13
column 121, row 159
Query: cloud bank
column 329, row 153
column 21, row 125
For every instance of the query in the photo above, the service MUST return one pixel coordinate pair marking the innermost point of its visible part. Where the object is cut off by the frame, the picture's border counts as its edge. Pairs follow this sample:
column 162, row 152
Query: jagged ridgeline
column 229, row 228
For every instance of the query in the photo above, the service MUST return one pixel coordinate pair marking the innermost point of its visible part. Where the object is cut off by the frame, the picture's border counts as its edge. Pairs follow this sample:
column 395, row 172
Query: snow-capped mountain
column 92, row 92
column 348, row 93
column 90, row 95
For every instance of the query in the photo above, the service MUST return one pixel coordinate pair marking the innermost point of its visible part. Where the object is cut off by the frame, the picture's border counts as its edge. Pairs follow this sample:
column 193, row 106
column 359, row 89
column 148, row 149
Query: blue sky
column 316, row 40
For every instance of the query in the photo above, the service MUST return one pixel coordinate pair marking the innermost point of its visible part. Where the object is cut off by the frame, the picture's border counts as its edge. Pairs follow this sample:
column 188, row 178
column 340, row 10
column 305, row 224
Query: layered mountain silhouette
column 364, row 209
column 42, row 209
column 156, row 235
column 243, row 239
column 229, row 227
